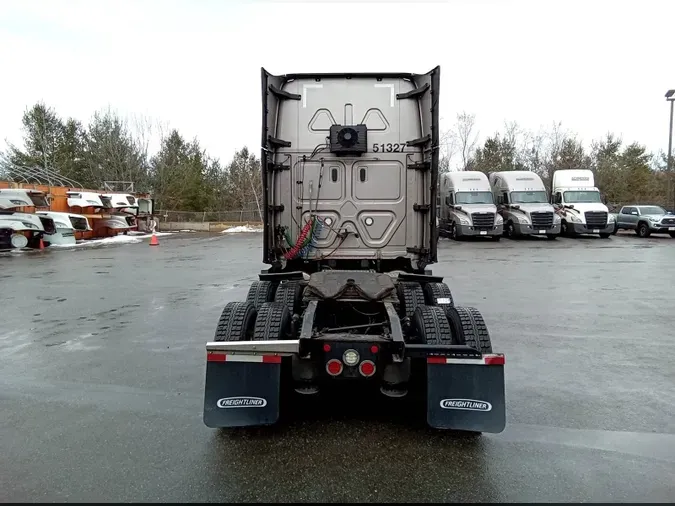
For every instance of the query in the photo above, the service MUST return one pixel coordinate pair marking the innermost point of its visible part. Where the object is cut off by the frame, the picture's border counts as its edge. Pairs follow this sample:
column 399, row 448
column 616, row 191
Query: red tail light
column 334, row 367
column 367, row 368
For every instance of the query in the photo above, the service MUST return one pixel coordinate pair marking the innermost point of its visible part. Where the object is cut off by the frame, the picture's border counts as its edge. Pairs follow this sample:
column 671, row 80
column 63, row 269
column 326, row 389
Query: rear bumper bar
column 465, row 388
column 296, row 347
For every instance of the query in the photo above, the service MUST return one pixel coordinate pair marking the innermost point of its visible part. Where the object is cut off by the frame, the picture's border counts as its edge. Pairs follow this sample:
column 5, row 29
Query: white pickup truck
column 646, row 220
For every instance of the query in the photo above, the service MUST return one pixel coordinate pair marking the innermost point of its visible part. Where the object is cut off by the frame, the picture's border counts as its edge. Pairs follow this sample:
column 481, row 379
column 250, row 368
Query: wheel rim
column 510, row 230
column 453, row 231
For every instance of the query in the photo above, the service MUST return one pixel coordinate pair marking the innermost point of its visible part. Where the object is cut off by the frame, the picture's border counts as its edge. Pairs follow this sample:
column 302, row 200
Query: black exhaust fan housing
column 348, row 140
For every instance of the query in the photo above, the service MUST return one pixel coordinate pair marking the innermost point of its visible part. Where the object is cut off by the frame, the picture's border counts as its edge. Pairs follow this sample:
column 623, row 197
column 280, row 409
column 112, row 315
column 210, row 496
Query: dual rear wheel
column 264, row 316
column 434, row 318
column 429, row 307
column 241, row 321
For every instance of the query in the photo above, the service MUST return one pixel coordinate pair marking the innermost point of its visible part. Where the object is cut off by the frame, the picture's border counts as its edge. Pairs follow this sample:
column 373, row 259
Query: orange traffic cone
column 42, row 244
column 154, row 241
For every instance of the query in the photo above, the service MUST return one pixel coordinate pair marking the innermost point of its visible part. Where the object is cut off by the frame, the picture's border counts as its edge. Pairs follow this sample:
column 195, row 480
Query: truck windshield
column 582, row 197
column 652, row 210
column 107, row 201
column 528, row 197
column 473, row 198
column 39, row 200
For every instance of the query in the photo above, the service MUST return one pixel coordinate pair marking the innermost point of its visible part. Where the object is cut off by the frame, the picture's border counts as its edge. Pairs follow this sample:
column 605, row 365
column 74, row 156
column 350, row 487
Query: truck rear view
column 350, row 171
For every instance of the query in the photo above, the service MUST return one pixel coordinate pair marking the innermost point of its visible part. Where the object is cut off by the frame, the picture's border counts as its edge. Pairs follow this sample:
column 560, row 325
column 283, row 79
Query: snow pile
column 145, row 235
column 241, row 229
column 118, row 239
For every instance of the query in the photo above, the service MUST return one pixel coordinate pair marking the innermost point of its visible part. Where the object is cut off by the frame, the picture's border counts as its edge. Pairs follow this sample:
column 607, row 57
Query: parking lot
column 103, row 369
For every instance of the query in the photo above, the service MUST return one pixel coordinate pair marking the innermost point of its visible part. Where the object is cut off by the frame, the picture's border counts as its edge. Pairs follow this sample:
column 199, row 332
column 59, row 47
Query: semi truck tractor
column 579, row 205
column 350, row 171
column 523, row 203
column 468, row 207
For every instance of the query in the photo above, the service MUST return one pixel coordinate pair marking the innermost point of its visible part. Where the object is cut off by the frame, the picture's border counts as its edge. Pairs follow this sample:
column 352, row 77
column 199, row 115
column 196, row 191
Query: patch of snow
column 241, row 229
column 136, row 233
column 118, row 239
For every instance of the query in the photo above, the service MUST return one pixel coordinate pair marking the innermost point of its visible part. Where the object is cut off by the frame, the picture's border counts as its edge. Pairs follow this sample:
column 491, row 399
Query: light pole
column 670, row 98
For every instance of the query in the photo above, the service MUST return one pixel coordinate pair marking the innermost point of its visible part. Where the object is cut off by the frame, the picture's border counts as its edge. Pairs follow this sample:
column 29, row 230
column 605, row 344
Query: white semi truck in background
column 579, row 205
column 524, row 205
column 467, row 206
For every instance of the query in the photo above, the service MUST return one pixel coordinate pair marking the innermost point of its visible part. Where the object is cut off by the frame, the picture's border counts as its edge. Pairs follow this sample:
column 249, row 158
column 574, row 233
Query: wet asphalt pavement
column 101, row 383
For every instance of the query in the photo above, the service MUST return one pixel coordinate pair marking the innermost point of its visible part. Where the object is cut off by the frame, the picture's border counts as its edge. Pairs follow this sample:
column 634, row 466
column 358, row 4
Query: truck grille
column 596, row 219
column 542, row 220
column 483, row 220
column 668, row 221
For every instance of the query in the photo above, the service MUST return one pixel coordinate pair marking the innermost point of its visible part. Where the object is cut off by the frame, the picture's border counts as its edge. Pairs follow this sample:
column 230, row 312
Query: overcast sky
column 596, row 66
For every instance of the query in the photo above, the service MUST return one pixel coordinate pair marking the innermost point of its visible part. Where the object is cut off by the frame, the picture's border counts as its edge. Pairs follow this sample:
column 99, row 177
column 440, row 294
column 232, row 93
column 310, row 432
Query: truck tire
column 431, row 326
column 272, row 322
column 433, row 292
column 410, row 295
column 672, row 234
column 453, row 232
column 509, row 230
column 469, row 328
column 290, row 293
column 564, row 229
column 261, row 292
column 642, row 230
column 236, row 322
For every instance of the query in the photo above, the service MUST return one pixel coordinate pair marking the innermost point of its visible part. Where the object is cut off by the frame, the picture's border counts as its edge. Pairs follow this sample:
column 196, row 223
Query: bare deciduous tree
column 466, row 137
column 447, row 149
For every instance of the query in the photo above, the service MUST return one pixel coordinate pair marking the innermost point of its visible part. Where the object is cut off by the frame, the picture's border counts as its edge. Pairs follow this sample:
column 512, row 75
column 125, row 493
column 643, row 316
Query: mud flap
column 241, row 390
column 466, row 394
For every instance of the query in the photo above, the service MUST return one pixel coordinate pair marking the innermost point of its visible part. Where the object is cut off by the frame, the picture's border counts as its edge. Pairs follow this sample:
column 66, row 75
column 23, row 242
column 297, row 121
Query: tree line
column 624, row 172
column 182, row 176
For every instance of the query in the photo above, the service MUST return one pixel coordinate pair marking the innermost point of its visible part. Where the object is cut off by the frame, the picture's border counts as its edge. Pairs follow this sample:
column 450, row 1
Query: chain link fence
column 234, row 216
column 251, row 214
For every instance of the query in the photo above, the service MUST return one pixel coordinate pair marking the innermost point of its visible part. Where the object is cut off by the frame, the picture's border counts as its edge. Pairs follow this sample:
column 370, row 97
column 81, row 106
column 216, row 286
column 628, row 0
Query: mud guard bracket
column 466, row 394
